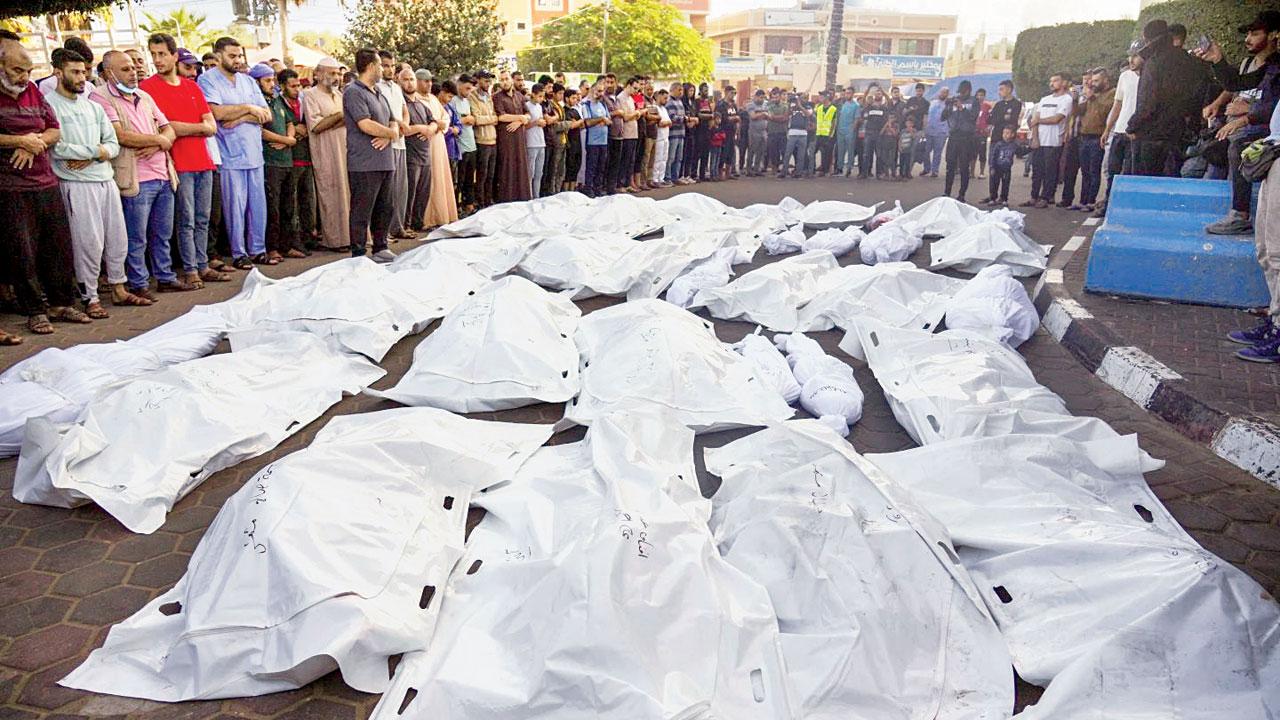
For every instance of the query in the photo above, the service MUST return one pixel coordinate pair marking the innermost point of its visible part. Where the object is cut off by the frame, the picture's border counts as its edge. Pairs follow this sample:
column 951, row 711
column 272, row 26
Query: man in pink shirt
column 144, row 173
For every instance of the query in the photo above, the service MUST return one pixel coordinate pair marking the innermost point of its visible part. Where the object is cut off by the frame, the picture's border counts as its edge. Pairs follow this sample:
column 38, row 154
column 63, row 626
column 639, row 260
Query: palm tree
column 834, row 34
column 186, row 27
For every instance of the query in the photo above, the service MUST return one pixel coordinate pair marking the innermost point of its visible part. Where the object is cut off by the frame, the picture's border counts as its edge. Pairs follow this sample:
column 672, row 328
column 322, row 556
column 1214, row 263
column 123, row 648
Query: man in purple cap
column 240, row 111
column 184, row 105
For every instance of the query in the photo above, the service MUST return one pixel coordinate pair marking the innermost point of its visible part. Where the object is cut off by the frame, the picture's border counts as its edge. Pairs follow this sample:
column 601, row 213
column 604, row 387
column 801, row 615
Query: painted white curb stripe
column 1251, row 447
column 1074, row 243
column 1134, row 373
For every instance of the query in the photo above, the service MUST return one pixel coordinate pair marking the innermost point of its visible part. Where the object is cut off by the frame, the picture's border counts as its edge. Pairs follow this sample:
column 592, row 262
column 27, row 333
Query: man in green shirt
column 776, row 129
column 278, row 139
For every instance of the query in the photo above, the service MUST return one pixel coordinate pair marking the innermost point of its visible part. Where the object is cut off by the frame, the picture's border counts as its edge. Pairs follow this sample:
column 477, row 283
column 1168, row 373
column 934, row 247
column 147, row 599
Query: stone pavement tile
column 32, row 615
column 43, row 690
column 16, row 559
column 24, row 586
column 320, row 709
column 110, row 606
column 91, row 579
column 161, row 572
column 72, row 556
column 45, row 647
column 266, row 705
column 143, row 547
column 56, row 533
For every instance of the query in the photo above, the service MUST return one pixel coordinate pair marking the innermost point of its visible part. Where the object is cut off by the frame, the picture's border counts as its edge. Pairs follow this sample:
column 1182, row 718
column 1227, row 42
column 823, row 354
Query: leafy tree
column 186, row 27
column 444, row 36
column 18, row 8
column 1068, row 48
column 321, row 40
column 644, row 37
column 1218, row 19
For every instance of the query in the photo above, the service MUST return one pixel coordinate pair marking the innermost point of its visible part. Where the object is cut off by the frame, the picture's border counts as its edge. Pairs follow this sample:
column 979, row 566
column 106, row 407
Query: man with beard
column 278, row 139
column 1258, row 81
column 513, row 161
column 144, row 173
column 322, row 111
column 301, row 184
column 390, row 89
column 961, row 115
column 486, row 131
column 371, row 128
column 82, row 161
column 184, row 105
column 240, row 111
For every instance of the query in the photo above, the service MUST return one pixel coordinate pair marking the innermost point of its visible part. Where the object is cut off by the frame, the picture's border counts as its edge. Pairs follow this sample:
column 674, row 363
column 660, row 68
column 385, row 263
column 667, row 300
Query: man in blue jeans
column 184, row 106
column 596, row 122
column 675, row 139
column 145, row 175
column 847, row 132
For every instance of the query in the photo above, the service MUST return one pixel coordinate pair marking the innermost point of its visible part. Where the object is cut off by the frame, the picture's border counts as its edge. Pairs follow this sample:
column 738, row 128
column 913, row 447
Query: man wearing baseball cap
column 1259, row 73
column 1169, row 92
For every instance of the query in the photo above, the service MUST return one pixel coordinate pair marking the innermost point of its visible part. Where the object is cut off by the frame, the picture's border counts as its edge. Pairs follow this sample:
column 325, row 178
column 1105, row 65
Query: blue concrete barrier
column 1153, row 245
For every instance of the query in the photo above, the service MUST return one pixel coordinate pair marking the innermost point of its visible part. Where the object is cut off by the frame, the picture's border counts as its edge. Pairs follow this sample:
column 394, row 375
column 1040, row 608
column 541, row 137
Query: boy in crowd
column 908, row 139
column 1002, row 155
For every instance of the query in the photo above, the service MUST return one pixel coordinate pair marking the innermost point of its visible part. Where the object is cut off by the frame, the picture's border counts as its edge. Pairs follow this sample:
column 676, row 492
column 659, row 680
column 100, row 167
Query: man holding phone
column 1257, row 82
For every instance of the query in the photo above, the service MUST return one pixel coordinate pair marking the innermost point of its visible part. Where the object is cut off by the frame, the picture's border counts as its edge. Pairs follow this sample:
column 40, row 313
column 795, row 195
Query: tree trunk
column 834, row 34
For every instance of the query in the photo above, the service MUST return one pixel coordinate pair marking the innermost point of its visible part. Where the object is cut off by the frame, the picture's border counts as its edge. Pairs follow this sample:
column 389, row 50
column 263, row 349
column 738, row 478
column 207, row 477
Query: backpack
column 1256, row 160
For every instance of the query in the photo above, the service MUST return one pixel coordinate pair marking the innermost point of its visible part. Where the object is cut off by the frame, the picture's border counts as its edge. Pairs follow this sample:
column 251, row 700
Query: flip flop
column 68, row 314
column 9, row 339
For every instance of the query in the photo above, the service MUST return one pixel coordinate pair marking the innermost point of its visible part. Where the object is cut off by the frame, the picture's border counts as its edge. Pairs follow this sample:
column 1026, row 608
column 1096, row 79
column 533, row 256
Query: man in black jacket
column 1006, row 113
column 1168, row 95
column 961, row 114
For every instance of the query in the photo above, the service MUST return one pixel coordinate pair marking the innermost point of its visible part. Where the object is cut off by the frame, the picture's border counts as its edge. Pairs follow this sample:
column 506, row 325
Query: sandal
column 193, row 279
column 10, row 338
column 217, row 265
column 95, row 311
column 68, row 314
column 122, row 297
column 264, row 259
column 244, row 263
column 40, row 325
column 210, row 275
column 273, row 255
column 295, row 253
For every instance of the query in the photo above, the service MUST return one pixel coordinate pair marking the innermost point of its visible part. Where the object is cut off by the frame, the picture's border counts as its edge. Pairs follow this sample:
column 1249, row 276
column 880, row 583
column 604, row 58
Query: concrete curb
column 1247, row 442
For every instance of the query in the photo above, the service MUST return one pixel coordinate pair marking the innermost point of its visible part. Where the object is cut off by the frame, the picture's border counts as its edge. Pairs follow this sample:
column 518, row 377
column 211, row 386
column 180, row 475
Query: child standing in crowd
column 535, row 139
column 717, row 137
column 662, row 141
column 907, row 141
column 573, row 144
column 887, row 150
column 1002, row 155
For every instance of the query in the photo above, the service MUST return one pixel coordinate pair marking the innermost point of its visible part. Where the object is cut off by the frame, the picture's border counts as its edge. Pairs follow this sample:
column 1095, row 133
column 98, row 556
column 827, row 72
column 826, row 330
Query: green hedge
column 17, row 8
column 1219, row 19
column 1070, row 48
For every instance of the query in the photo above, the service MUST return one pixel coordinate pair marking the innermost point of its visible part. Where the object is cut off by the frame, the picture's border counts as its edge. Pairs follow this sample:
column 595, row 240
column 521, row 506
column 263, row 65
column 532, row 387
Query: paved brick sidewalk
column 66, row 576
column 1190, row 339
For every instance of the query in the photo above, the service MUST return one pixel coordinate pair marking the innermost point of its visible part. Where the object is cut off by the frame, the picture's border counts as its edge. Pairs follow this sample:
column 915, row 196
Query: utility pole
column 604, row 41
column 284, row 33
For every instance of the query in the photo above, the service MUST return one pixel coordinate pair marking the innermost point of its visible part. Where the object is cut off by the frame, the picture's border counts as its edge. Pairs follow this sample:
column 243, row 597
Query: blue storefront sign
column 909, row 66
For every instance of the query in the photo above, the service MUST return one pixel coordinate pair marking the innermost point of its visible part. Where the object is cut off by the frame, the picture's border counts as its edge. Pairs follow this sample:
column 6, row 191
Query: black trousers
column 282, row 203
column 827, row 149
column 773, row 149
column 886, row 155
column 1120, row 161
column 486, row 174
column 1070, row 170
column 219, row 243
column 626, row 159
column 962, row 148
column 35, row 249
column 1044, row 172
column 371, row 209
column 1241, row 187
column 466, row 185
column 597, row 160
column 998, row 185
column 419, row 195
column 303, row 180
column 614, row 167
column 1154, row 158
column 702, row 153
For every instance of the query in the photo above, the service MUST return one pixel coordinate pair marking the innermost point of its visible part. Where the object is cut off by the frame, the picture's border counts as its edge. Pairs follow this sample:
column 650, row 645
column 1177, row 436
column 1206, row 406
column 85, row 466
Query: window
column 744, row 46
column 519, row 26
column 872, row 46
column 726, row 48
column 915, row 47
column 782, row 43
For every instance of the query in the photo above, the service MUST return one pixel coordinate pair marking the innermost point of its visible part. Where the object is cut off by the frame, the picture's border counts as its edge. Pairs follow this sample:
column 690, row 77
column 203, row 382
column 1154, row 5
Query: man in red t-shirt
column 35, row 245
column 184, row 105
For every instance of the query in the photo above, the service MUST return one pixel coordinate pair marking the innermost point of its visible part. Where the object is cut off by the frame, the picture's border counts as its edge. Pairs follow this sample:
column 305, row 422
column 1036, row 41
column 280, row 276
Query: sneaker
column 1267, row 351
column 987, row 201
column 1042, row 204
column 382, row 257
column 1253, row 335
column 1029, row 203
column 1232, row 224
column 1078, row 207
column 1066, row 204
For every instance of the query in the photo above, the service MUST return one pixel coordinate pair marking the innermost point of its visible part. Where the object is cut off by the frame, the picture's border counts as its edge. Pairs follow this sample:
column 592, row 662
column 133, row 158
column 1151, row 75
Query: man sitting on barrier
column 1257, row 81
